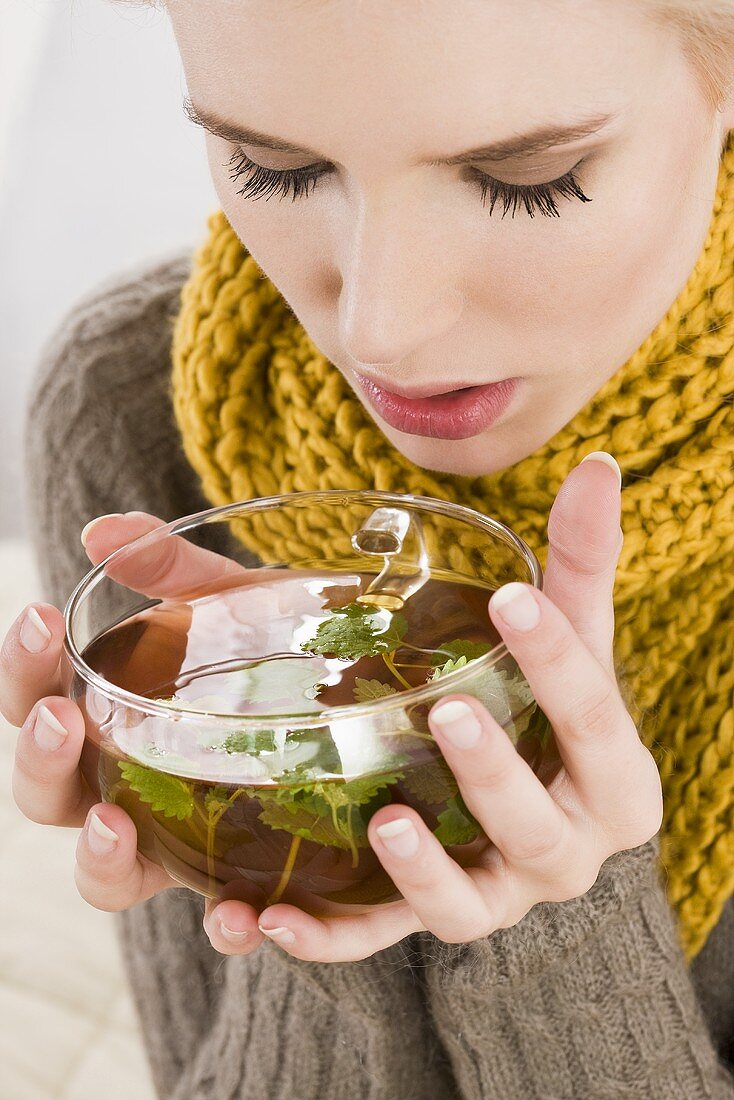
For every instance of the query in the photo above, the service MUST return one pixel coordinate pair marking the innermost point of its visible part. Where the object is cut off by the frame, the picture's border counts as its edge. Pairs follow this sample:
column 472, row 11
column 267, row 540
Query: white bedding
column 67, row 1025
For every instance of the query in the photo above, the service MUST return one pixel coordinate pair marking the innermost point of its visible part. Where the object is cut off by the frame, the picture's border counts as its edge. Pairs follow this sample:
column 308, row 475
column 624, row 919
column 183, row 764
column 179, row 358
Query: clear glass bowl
column 250, row 759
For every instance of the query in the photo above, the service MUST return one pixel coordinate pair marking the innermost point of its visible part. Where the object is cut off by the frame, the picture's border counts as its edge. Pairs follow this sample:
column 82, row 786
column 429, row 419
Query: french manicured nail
column 48, row 732
column 458, row 723
column 34, row 634
column 230, row 935
column 399, row 837
column 88, row 526
column 280, row 935
column 100, row 837
column 610, row 460
column 515, row 606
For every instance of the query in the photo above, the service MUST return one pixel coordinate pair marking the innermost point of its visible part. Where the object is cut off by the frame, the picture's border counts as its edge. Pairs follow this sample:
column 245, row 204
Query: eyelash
column 531, row 197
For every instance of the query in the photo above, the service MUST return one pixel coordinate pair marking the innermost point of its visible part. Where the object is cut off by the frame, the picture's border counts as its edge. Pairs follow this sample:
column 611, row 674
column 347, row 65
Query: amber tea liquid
column 267, row 816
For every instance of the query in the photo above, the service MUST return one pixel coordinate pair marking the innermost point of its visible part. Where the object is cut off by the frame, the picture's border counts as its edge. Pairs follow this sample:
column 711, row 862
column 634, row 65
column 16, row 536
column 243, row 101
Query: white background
column 99, row 171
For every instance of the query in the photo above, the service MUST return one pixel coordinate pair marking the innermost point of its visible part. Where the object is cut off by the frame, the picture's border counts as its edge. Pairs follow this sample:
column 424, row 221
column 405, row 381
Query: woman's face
column 397, row 265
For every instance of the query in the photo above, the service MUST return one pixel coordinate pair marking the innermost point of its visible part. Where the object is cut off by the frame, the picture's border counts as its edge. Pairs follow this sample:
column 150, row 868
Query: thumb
column 584, row 542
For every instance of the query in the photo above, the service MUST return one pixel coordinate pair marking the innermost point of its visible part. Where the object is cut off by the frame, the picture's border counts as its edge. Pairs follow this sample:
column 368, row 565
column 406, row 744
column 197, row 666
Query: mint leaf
column 460, row 648
column 327, row 812
column 355, row 631
column 450, row 666
column 503, row 692
column 366, row 690
column 216, row 798
column 164, row 793
column 324, row 758
column 253, row 743
column 533, row 723
column 301, row 820
column 356, row 792
column 431, row 783
column 456, row 824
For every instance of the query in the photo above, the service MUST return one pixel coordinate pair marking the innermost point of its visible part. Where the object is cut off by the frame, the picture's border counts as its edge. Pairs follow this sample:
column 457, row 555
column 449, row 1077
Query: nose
column 396, row 294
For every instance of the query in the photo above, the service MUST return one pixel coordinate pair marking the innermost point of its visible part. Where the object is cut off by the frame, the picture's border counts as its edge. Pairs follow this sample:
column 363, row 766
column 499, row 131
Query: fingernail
column 458, row 723
column 98, row 519
column 100, row 837
column 34, row 634
column 230, row 935
column 48, row 732
column 610, row 460
column 280, row 935
column 399, row 837
column 515, row 606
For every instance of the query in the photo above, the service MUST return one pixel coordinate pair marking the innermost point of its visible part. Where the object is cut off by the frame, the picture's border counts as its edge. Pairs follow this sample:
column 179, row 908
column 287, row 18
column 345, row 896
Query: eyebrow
column 523, row 145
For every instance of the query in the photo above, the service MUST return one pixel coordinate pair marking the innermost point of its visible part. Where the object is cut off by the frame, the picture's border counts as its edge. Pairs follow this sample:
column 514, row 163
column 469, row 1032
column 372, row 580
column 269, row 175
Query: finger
column 584, row 543
column 47, row 784
column 596, row 737
column 170, row 567
column 29, row 660
column 500, row 789
column 448, row 900
column 232, row 926
column 110, row 874
column 337, row 939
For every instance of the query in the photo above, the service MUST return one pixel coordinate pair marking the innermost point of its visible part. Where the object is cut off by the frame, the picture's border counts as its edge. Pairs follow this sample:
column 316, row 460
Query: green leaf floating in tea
column 165, row 793
column 367, row 690
column 456, row 824
column 450, row 666
column 499, row 688
column 460, row 648
column 323, row 812
column 217, row 799
column 354, row 631
column 432, row 783
column 256, row 742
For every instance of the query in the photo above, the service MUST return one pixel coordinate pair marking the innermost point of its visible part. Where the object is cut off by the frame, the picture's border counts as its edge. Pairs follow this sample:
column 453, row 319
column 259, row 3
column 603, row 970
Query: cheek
column 598, row 278
column 277, row 232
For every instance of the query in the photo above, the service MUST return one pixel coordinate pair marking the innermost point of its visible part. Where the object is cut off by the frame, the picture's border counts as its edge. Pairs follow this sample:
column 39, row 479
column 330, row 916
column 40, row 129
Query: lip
column 453, row 414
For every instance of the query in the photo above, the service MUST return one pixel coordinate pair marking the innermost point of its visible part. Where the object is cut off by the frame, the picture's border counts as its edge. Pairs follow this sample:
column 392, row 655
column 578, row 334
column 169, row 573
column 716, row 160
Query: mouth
column 459, row 413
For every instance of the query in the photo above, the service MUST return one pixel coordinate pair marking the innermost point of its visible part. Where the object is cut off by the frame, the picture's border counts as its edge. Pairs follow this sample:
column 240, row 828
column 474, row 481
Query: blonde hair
column 707, row 31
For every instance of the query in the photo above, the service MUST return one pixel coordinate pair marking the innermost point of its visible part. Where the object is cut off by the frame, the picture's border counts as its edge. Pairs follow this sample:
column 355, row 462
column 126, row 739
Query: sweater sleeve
column 590, row 998
column 100, row 437
column 100, row 434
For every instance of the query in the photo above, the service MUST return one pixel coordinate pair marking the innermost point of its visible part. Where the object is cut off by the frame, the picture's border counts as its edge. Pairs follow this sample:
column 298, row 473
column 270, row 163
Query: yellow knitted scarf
column 261, row 411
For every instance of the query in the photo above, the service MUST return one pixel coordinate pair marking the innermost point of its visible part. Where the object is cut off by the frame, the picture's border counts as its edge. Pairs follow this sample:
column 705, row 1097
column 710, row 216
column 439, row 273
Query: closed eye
column 259, row 182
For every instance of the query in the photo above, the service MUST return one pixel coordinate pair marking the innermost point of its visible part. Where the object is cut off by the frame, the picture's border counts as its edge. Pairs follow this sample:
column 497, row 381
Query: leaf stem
column 200, row 835
column 387, row 658
column 352, row 845
column 212, row 820
column 287, row 871
column 418, row 648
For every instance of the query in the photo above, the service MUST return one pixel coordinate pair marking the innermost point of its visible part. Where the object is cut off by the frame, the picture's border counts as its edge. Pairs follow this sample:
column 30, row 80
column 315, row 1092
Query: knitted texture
column 262, row 411
column 587, row 999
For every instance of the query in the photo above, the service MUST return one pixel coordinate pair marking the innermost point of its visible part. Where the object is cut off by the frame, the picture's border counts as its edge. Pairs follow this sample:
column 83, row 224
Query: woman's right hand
column 48, row 785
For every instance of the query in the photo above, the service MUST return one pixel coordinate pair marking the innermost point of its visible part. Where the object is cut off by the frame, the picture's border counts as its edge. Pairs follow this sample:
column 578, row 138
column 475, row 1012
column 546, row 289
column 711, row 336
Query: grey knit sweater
column 585, row 1000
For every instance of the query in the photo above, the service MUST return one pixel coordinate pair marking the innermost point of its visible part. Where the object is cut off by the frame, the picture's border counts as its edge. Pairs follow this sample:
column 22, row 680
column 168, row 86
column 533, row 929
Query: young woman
column 532, row 203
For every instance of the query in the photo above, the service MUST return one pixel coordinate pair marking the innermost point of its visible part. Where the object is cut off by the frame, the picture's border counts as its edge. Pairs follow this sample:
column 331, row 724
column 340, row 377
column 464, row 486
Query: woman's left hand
column 548, row 843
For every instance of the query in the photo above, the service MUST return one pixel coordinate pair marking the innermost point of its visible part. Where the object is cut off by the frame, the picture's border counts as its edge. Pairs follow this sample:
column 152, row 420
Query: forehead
column 328, row 73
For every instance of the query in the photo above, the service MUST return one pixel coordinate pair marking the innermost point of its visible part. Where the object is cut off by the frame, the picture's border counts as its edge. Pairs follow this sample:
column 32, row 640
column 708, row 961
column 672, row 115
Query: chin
column 473, row 457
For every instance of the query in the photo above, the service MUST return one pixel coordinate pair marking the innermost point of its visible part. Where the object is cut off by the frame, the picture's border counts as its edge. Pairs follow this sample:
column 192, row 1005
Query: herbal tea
column 280, row 811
